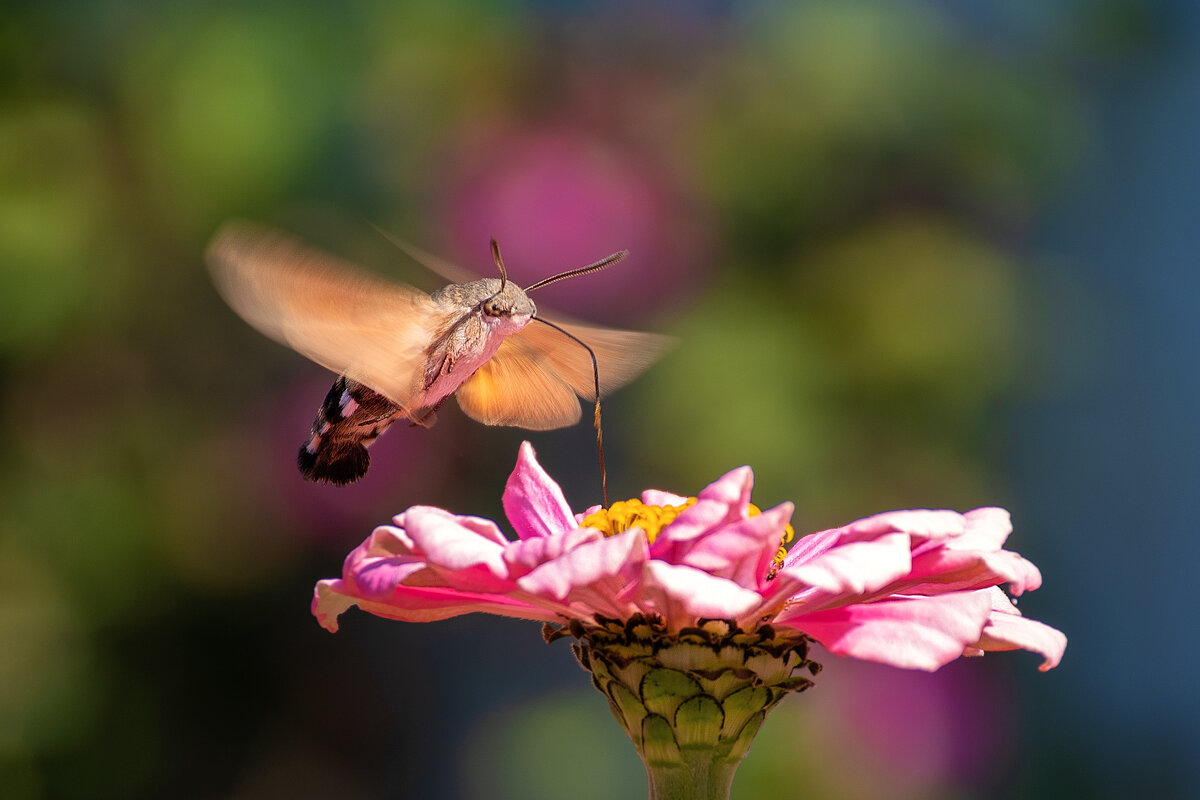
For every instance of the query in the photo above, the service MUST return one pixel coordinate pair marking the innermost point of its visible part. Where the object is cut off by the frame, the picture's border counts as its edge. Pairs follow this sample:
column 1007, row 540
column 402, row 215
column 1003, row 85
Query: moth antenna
column 595, row 377
column 499, row 264
column 599, row 265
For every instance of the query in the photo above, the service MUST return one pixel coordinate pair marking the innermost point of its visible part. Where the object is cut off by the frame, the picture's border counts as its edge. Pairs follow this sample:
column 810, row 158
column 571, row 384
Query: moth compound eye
column 492, row 308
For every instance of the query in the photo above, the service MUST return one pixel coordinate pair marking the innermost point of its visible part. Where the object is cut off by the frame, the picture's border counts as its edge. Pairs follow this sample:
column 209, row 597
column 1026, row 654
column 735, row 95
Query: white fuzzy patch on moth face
column 509, row 324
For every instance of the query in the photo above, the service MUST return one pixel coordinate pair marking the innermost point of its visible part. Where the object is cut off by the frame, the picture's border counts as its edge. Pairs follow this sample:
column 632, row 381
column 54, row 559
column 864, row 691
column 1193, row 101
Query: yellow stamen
column 625, row 514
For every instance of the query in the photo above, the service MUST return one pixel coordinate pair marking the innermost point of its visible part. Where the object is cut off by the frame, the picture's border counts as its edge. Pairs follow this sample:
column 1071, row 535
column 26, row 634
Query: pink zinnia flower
column 690, row 614
column 912, row 589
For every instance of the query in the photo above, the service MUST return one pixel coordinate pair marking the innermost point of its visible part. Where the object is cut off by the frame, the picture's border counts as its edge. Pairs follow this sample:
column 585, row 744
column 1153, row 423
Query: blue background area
column 1110, row 463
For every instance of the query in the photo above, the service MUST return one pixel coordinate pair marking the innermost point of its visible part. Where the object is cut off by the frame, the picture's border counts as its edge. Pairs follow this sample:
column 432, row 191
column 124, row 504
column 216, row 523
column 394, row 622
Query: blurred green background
column 916, row 254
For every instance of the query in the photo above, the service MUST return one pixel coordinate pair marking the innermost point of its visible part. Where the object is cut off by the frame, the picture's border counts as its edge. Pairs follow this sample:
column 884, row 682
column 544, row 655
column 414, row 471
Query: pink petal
column 419, row 605
column 683, row 593
column 404, row 583
column 987, row 528
column 328, row 604
column 527, row 554
column 724, row 501
column 379, row 577
column 919, row 523
column 743, row 550
column 656, row 497
column 533, row 502
column 587, row 512
column 910, row 632
column 385, row 540
column 733, row 488
column 941, row 570
column 460, row 552
column 1006, row 629
column 592, row 562
column 854, row 568
column 383, row 560
column 810, row 547
column 456, row 542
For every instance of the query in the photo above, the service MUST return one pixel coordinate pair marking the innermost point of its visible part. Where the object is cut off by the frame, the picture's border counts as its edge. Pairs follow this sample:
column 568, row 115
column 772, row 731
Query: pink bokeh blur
column 557, row 198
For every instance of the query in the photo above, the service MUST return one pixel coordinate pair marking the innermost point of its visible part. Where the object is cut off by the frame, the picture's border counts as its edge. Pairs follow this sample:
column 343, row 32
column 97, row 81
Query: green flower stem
column 701, row 776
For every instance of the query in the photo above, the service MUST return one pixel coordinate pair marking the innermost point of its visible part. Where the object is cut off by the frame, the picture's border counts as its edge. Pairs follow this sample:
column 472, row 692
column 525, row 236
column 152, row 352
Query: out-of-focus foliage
column 830, row 204
column 877, row 361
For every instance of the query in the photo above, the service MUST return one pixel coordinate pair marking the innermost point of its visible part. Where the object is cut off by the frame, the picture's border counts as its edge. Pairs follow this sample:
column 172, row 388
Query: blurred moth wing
column 620, row 355
column 446, row 270
column 535, row 378
column 370, row 330
column 519, row 387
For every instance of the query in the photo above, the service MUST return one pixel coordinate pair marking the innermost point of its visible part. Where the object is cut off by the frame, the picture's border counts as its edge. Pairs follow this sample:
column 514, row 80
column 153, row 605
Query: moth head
column 507, row 301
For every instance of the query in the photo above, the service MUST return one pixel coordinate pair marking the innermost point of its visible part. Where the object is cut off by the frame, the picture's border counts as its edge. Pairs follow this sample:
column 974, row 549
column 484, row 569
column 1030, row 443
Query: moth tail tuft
column 346, row 464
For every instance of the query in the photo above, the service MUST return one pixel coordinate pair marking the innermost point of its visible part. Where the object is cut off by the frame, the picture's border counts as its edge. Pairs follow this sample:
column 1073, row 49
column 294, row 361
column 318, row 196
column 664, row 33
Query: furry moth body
column 400, row 353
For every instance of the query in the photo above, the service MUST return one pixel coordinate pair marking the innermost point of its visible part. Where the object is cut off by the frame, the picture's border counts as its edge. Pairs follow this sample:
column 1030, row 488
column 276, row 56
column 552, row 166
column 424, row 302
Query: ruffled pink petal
column 419, row 605
column 527, row 554
column 657, row 497
column 1006, row 629
column 986, row 528
column 383, row 560
column 385, row 540
column 910, row 632
column 683, row 594
column 918, row 523
column 613, row 557
column 743, row 550
column 941, row 570
column 533, row 502
column 459, row 552
column 812, row 546
column 854, row 568
column 378, row 577
column 733, row 489
column 724, row 501
column 406, row 587
column 454, row 542
column 329, row 603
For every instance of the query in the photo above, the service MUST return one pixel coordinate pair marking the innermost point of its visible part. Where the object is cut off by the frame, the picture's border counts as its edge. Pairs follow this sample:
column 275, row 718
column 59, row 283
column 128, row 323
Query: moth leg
column 437, row 367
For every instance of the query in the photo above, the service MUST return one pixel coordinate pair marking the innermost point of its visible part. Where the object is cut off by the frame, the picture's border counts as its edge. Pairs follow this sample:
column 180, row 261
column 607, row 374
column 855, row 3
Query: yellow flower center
column 625, row 514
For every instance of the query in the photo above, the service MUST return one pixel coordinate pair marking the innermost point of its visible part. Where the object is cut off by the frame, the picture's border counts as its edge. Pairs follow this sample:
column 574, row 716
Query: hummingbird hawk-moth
column 400, row 353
